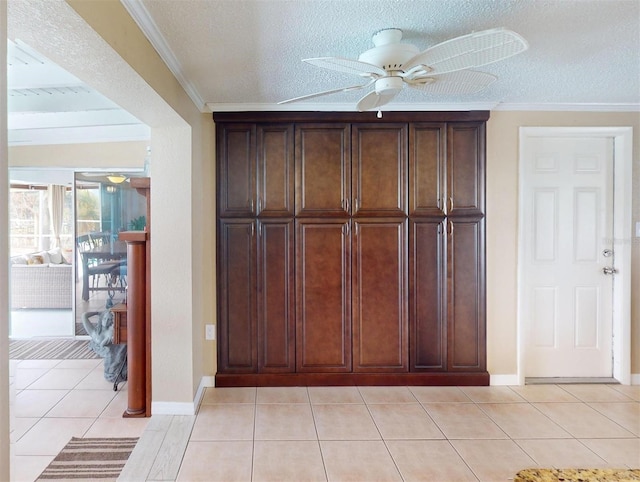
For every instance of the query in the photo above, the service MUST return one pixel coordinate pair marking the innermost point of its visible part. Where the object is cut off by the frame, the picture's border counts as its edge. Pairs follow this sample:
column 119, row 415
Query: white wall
column 4, row 255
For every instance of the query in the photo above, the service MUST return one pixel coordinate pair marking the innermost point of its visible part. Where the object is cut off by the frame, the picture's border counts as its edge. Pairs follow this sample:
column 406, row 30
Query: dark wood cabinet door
column 237, row 296
column 380, row 328
column 427, row 164
column 323, row 170
column 323, row 295
column 276, row 311
column 275, row 145
column 466, row 294
column 379, row 169
column 236, row 170
column 465, row 168
column 427, row 295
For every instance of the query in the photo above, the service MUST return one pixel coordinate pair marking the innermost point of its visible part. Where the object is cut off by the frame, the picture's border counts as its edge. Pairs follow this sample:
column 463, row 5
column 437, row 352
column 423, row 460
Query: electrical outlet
column 210, row 332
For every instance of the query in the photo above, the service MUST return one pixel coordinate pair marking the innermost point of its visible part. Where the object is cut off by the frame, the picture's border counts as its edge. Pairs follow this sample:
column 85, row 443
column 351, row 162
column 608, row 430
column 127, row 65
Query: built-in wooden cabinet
column 351, row 249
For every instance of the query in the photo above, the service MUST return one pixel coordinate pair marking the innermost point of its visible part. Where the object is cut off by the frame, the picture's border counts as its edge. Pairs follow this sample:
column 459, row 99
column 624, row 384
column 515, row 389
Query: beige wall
column 80, row 156
column 502, row 226
column 182, row 227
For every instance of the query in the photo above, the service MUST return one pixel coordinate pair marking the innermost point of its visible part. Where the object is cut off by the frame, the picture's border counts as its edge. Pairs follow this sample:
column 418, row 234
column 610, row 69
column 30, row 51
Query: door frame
column 622, row 224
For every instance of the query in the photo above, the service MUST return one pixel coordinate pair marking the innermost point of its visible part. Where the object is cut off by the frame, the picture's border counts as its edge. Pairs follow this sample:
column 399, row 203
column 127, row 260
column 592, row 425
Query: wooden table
column 119, row 323
column 116, row 250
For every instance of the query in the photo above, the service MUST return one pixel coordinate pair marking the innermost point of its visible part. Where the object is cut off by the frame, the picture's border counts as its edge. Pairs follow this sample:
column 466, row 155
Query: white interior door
column 567, row 228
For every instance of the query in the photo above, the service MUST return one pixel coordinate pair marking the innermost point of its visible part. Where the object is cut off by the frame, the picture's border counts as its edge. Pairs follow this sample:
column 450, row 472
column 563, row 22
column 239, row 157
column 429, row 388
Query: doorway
column 574, row 263
column 41, row 253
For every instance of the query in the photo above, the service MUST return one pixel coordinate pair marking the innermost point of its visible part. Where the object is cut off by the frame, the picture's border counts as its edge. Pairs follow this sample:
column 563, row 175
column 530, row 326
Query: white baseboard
column 183, row 408
column 635, row 379
column 497, row 380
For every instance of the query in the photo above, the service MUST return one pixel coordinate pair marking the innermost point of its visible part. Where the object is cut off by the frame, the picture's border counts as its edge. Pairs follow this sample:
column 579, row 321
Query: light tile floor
column 330, row 433
column 54, row 400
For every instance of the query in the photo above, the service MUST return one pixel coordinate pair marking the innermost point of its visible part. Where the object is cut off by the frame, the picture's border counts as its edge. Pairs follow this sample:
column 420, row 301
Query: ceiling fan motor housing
column 388, row 52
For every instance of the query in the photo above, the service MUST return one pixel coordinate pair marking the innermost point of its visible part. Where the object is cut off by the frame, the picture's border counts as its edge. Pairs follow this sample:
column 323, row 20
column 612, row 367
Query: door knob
column 609, row 270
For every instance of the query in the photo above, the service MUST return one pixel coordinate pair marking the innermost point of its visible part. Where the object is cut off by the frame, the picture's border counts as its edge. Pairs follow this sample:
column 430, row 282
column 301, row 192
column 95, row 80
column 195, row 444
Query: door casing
column 622, row 224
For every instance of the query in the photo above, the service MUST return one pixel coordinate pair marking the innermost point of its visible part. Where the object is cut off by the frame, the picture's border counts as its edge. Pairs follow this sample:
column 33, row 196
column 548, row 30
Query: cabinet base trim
column 345, row 379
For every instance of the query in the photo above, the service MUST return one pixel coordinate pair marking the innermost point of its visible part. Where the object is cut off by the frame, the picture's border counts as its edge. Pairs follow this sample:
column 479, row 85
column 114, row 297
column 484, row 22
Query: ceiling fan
column 441, row 69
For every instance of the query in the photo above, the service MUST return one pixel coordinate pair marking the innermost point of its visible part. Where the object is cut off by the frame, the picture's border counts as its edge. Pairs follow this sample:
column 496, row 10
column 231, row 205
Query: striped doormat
column 90, row 459
column 50, row 350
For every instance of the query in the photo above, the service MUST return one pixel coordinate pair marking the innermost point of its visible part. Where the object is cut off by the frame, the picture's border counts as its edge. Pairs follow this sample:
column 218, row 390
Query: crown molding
column 141, row 16
column 491, row 106
column 344, row 107
column 568, row 107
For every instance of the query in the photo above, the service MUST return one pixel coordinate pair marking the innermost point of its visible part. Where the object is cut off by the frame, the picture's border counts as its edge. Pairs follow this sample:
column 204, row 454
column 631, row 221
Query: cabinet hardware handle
column 252, row 229
column 442, row 204
column 450, row 203
column 355, row 204
column 450, row 228
column 251, row 205
column 346, row 229
column 346, row 205
column 259, row 204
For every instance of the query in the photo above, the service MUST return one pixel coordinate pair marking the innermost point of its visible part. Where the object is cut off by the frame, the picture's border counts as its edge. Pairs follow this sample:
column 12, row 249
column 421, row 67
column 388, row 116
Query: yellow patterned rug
column 577, row 475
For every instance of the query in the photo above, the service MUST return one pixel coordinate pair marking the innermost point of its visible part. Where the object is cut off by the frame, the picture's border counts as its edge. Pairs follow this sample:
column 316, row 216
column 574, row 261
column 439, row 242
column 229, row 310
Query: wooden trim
column 351, row 379
column 415, row 116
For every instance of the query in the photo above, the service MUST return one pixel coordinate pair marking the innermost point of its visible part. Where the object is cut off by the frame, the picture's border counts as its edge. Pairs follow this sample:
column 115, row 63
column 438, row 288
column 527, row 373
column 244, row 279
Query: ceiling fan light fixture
column 117, row 178
column 389, row 85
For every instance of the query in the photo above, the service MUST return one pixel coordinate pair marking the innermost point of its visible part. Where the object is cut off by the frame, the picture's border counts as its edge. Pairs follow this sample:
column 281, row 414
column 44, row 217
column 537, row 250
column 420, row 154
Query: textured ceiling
column 240, row 54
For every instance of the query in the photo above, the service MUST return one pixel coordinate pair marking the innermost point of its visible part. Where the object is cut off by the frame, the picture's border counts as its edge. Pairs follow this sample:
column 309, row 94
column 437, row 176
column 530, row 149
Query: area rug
column 577, row 475
column 50, row 350
column 90, row 459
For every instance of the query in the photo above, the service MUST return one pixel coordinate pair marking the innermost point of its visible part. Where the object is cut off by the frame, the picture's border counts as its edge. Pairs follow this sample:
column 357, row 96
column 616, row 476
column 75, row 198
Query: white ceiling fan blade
column 459, row 82
column 326, row 92
column 373, row 100
column 469, row 51
column 349, row 66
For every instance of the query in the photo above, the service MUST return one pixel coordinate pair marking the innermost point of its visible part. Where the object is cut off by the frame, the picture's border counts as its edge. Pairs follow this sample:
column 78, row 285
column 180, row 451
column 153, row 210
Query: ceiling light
column 117, row 178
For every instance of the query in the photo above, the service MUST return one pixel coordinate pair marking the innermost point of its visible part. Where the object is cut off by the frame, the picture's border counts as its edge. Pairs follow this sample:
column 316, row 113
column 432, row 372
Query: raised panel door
column 323, row 295
column 379, row 169
column 465, row 168
column 275, row 146
column 427, row 295
column 276, row 310
column 323, row 167
column 380, row 328
column 466, row 294
column 237, row 296
column 427, row 163
column 236, row 170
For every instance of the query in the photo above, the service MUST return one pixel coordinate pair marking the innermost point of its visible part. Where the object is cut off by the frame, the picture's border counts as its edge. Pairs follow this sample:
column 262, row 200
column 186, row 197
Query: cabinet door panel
column 466, row 306
column 237, row 297
column 427, row 295
column 323, row 296
column 237, row 170
column 427, row 169
column 379, row 164
column 323, row 179
column 380, row 329
column 276, row 316
column 275, row 170
column 465, row 168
